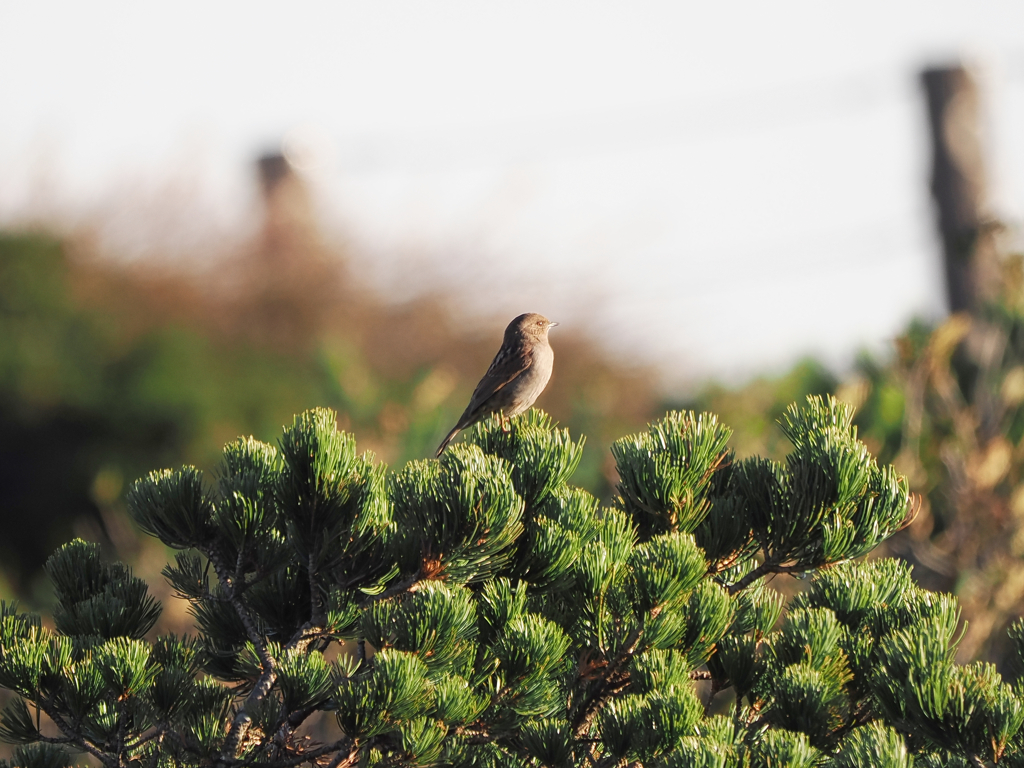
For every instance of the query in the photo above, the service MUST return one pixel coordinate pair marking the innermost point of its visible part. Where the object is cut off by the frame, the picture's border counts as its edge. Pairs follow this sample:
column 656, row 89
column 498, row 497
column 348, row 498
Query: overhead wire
column 630, row 128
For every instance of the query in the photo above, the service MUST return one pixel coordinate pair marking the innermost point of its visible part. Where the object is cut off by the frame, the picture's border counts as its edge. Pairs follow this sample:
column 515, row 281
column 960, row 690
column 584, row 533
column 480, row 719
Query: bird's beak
column 552, row 325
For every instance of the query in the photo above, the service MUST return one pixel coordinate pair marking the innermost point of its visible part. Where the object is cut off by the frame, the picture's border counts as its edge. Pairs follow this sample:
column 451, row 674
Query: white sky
column 717, row 187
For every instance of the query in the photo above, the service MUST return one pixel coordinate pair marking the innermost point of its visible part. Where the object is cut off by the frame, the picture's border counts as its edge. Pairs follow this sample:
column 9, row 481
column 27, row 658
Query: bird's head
column 529, row 326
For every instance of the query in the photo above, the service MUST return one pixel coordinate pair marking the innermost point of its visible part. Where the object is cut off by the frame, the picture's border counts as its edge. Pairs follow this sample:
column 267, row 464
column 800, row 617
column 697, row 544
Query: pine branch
column 242, row 720
column 76, row 739
column 122, row 726
column 158, row 732
column 239, row 577
column 316, row 607
column 306, row 634
column 342, row 759
column 762, row 570
column 723, row 565
column 409, row 584
column 475, row 736
column 612, row 681
column 54, row 740
column 291, row 724
column 314, row 628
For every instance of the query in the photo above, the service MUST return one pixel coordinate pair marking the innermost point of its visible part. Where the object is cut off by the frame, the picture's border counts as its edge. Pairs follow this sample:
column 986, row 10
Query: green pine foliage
column 479, row 611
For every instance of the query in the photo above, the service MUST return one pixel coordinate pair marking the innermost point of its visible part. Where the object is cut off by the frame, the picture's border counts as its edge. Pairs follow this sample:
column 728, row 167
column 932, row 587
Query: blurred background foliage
column 110, row 369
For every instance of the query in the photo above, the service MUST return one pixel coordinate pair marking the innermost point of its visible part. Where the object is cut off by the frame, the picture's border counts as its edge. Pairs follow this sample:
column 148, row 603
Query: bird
column 516, row 377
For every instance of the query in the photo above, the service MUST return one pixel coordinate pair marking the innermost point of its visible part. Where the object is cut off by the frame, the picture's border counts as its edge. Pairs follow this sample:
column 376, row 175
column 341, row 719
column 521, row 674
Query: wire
column 634, row 128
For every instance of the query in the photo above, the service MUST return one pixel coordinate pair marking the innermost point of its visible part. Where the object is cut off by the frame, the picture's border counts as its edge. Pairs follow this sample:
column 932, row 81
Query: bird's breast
column 533, row 380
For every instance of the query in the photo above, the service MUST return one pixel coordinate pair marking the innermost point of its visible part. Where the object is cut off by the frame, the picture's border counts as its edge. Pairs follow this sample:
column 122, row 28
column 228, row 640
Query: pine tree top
column 478, row 610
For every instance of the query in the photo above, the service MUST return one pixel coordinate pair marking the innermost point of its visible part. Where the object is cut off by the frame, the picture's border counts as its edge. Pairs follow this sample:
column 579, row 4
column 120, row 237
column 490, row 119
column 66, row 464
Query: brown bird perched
column 517, row 376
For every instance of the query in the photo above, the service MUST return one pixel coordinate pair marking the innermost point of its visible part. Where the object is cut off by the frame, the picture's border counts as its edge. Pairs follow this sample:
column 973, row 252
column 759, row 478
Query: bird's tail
column 444, row 443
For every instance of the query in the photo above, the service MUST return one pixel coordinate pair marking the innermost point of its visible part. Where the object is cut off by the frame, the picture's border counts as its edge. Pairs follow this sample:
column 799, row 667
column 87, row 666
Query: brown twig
column 74, row 738
column 344, row 759
column 611, row 682
column 266, row 680
column 763, row 569
column 409, row 584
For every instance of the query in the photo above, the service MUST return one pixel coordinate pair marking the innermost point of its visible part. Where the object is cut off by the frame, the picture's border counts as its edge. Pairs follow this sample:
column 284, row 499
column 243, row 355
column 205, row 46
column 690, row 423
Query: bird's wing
column 505, row 368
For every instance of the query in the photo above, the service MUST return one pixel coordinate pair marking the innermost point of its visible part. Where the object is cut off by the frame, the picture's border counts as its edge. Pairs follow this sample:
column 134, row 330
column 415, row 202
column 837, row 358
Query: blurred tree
column 86, row 401
column 959, row 437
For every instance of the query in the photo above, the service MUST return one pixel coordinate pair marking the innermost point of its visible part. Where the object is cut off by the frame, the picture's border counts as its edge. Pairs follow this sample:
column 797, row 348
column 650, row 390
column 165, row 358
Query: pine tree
column 489, row 614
